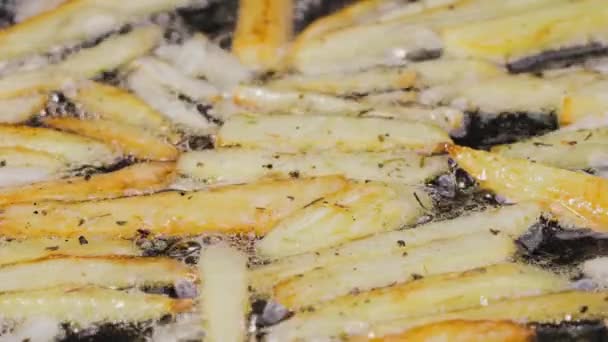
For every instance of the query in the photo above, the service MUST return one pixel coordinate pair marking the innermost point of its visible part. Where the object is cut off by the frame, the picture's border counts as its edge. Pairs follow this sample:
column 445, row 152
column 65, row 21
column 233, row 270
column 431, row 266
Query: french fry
column 306, row 133
column 352, row 213
column 74, row 21
column 108, row 271
column 224, row 293
column 366, row 81
column 199, row 57
column 262, row 32
column 240, row 165
column 544, row 308
column 138, row 179
column 86, row 305
column 430, row 297
column 577, row 149
column 248, row 208
column 16, row 251
column 130, row 140
column 21, row 109
column 334, row 280
column 574, row 197
column 76, row 150
column 510, row 221
column 113, row 103
column 586, row 104
column 547, row 28
column 462, row 331
column 23, row 166
column 86, row 63
column 595, row 269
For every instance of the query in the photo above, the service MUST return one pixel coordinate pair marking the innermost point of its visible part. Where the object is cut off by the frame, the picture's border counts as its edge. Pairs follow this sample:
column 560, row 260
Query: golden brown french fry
column 263, row 29
column 75, row 149
column 30, row 249
column 72, row 21
column 86, row 63
column 107, row 270
column 131, row 140
column 240, row 208
column 573, row 196
column 86, row 305
column 428, row 297
column 461, row 331
column 116, row 104
column 134, row 180
column 561, row 25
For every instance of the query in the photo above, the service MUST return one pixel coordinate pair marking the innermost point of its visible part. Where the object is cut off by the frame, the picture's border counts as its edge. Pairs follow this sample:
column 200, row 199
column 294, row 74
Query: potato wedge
column 577, row 149
column 86, row 63
column 199, row 57
column 130, row 140
column 247, row 208
column 576, row 197
column 462, row 331
column 401, row 266
column 74, row 21
column 86, row 305
column 35, row 249
column 431, row 296
column 359, row 210
column 113, row 103
column 366, row 81
column 240, row 165
column 108, row 271
column 134, row 180
column 262, row 32
column 545, row 308
column 510, row 221
column 76, row 150
column 306, row 133
column 21, row 109
column 553, row 27
column 224, row 293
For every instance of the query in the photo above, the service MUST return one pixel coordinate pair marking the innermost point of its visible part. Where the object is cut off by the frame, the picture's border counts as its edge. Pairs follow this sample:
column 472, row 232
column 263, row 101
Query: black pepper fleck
column 401, row 243
column 82, row 240
column 494, row 231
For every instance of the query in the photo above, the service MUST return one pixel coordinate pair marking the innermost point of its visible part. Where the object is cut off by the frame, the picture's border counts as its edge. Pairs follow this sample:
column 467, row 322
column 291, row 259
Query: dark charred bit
column 153, row 246
column 268, row 313
column 581, row 331
column 217, row 20
column 560, row 58
column 7, row 17
column 548, row 244
column 199, row 143
column 122, row 332
column 307, row 11
column 89, row 170
column 483, row 132
column 110, row 77
column 423, row 55
column 184, row 250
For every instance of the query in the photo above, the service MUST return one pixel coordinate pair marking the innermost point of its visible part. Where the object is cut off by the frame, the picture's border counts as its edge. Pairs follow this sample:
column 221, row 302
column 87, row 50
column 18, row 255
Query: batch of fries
column 310, row 189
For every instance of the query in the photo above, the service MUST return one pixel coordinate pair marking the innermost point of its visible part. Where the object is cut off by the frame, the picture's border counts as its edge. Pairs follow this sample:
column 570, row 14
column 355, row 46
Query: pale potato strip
column 247, row 208
column 510, row 221
column 573, row 196
column 74, row 21
column 578, row 149
column 587, row 104
column 305, row 133
column 109, row 271
column 21, row 109
column 133, row 180
column 596, row 269
column 75, row 149
column 86, row 305
column 262, row 32
column 131, row 140
column 434, row 295
column 462, row 331
column 395, row 266
column 548, row 308
column 23, row 166
column 113, row 103
column 352, row 213
column 40, row 248
column 224, row 293
column 241, row 165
